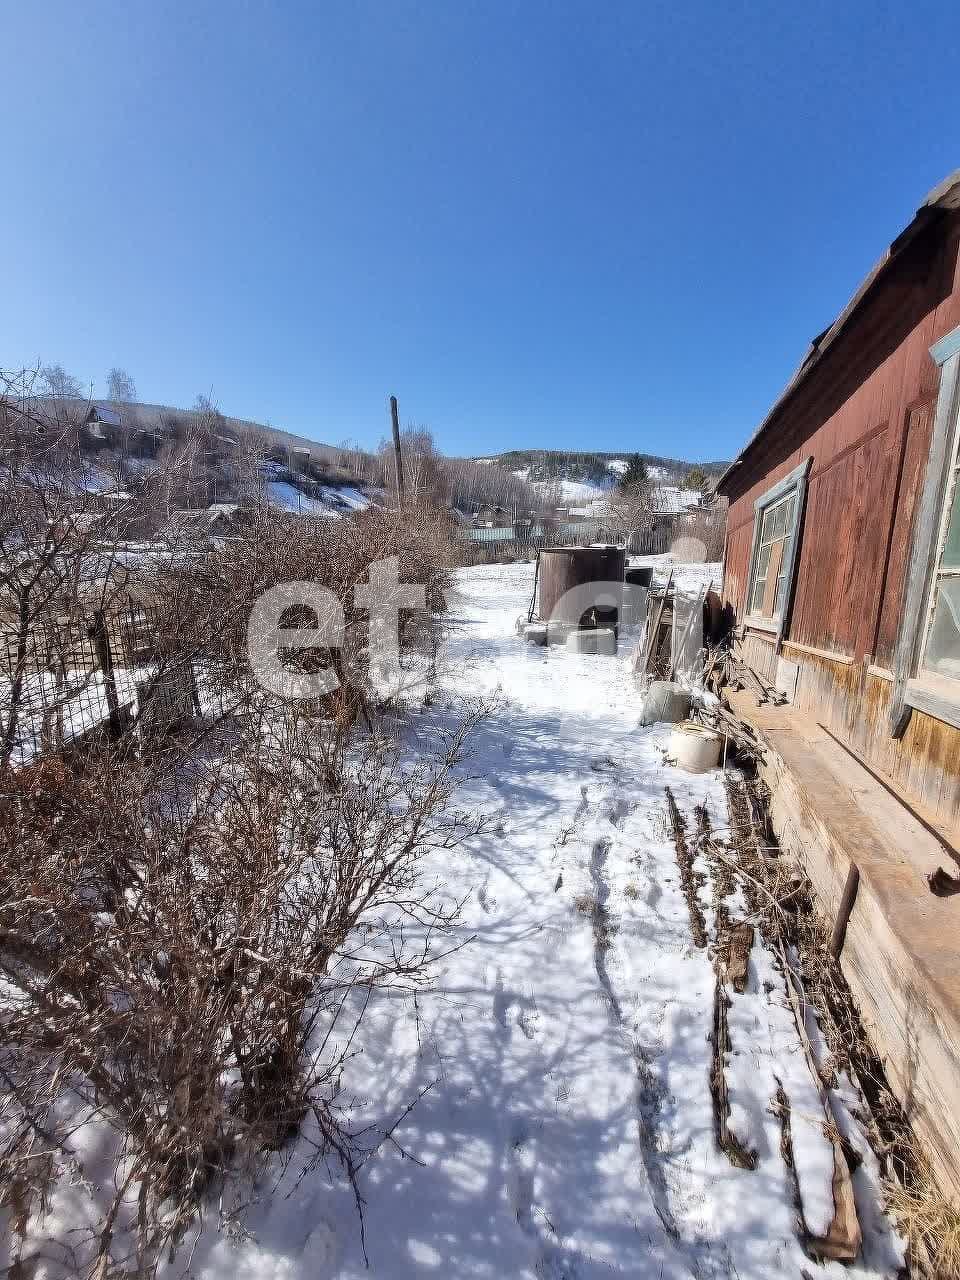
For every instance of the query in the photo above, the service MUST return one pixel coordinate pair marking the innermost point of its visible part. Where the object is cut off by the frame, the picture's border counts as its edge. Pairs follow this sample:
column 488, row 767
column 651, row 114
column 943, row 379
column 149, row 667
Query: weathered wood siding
column 864, row 417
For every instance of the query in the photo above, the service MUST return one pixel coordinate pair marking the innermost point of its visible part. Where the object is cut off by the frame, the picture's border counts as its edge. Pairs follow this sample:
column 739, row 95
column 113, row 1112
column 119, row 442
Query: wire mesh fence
column 65, row 677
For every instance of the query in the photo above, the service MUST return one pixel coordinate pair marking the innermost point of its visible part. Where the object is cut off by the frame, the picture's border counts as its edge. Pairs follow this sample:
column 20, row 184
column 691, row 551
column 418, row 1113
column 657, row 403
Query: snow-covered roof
column 103, row 413
column 670, row 501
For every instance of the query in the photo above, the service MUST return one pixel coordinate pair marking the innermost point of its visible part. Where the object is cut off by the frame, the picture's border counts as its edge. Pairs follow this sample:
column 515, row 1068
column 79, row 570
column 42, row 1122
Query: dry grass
column 599, row 916
column 691, row 880
column 929, row 1222
column 783, row 903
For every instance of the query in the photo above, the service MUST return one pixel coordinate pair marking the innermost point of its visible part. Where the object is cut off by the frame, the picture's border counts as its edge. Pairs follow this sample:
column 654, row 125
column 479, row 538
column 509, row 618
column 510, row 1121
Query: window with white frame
column 941, row 649
column 926, row 660
column 773, row 558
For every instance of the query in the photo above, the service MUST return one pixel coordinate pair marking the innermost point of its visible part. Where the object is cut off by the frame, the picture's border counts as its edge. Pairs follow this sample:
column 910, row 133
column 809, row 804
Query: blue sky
column 586, row 225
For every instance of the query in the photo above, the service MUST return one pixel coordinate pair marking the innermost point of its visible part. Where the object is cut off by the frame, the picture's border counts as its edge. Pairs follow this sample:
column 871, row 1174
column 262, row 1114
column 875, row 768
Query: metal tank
column 564, row 568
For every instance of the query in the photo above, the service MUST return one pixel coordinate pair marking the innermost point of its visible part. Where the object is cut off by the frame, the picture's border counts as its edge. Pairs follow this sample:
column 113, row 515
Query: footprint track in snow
column 528, row 1018
column 552, row 1260
column 505, row 999
column 485, row 898
column 502, row 1000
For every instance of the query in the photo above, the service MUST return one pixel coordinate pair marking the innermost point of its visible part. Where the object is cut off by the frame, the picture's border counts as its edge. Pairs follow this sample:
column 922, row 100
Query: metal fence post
column 101, row 643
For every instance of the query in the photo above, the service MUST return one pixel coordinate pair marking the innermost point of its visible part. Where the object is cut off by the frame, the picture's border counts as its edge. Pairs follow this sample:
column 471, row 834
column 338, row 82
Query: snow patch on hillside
column 284, row 495
column 571, row 490
column 332, row 500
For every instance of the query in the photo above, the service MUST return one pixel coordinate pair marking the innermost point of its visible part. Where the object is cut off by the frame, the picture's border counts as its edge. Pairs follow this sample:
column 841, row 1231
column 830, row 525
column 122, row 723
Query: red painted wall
column 864, row 416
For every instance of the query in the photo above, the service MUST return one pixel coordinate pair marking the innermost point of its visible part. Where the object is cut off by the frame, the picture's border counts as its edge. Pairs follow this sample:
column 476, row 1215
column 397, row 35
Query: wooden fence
column 499, row 546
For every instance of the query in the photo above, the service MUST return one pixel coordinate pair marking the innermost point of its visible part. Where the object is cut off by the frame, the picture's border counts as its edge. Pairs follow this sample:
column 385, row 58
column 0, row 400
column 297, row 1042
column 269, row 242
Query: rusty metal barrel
column 562, row 569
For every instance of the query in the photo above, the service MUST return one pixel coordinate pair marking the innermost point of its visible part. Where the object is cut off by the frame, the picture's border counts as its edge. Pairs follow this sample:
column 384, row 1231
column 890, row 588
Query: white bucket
column 695, row 747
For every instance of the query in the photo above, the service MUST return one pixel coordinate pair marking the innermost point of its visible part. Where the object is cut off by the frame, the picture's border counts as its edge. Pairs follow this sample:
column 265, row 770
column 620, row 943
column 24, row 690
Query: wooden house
column 101, row 427
column 842, row 568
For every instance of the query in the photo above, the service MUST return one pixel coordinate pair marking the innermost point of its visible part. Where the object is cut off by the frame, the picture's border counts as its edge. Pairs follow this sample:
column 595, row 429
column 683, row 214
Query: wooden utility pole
column 395, row 422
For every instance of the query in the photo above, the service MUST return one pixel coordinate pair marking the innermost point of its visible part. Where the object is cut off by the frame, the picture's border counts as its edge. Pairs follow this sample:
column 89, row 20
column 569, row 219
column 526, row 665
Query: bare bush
column 190, row 927
column 181, row 954
column 62, row 556
column 209, row 595
column 708, row 527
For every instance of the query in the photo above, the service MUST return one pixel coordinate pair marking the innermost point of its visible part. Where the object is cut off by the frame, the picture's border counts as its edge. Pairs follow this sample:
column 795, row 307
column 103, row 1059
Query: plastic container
column 639, row 575
column 665, row 700
column 600, row 640
column 634, row 604
column 695, row 747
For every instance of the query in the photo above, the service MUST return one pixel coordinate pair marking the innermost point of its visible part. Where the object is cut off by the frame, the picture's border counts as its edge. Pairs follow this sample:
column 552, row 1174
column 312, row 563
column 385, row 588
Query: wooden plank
column 734, row 952
column 843, row 1238
column 917, row 448
column 814, row 652
column 899, row 957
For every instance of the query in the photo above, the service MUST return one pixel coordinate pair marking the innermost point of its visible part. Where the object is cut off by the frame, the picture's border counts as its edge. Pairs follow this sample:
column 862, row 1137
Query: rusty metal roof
column 944, row 196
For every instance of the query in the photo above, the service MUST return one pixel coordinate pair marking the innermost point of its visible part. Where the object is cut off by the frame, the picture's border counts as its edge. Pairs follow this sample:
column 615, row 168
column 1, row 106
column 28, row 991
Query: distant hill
column 593, row 468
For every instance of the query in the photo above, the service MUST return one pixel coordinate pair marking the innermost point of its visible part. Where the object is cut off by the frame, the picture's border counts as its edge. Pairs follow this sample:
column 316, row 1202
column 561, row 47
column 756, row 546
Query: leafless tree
column 426, row 476
column 55, row 381
column 61, row 540
column 631, row 510
column 120, row 387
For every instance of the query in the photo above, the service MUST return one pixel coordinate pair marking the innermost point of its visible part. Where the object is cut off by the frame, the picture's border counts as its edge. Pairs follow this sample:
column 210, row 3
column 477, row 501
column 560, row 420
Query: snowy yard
column 569, row 1129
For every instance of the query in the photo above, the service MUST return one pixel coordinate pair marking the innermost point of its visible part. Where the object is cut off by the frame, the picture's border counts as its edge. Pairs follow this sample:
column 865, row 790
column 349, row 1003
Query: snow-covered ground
column 333, row 500
column 569, row 1129
column 569, row 1132
column 572, row 490
column 688, row 576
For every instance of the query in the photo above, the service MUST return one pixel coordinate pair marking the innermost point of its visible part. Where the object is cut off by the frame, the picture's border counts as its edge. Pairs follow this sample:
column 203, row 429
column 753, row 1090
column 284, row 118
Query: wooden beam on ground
column 844, row 910
column 843, row 1238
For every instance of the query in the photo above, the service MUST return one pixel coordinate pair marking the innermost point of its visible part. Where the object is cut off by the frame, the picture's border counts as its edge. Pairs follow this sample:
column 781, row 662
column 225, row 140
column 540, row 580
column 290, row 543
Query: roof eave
column 944, row 196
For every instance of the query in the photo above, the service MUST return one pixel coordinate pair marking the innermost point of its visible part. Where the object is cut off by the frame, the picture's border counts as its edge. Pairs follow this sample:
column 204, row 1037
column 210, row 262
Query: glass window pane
column 951, row 550
column 943, row 644
column 782, row 580
column 763, row 560
column 782, row 518
column 760, row 577
column 756, row 595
